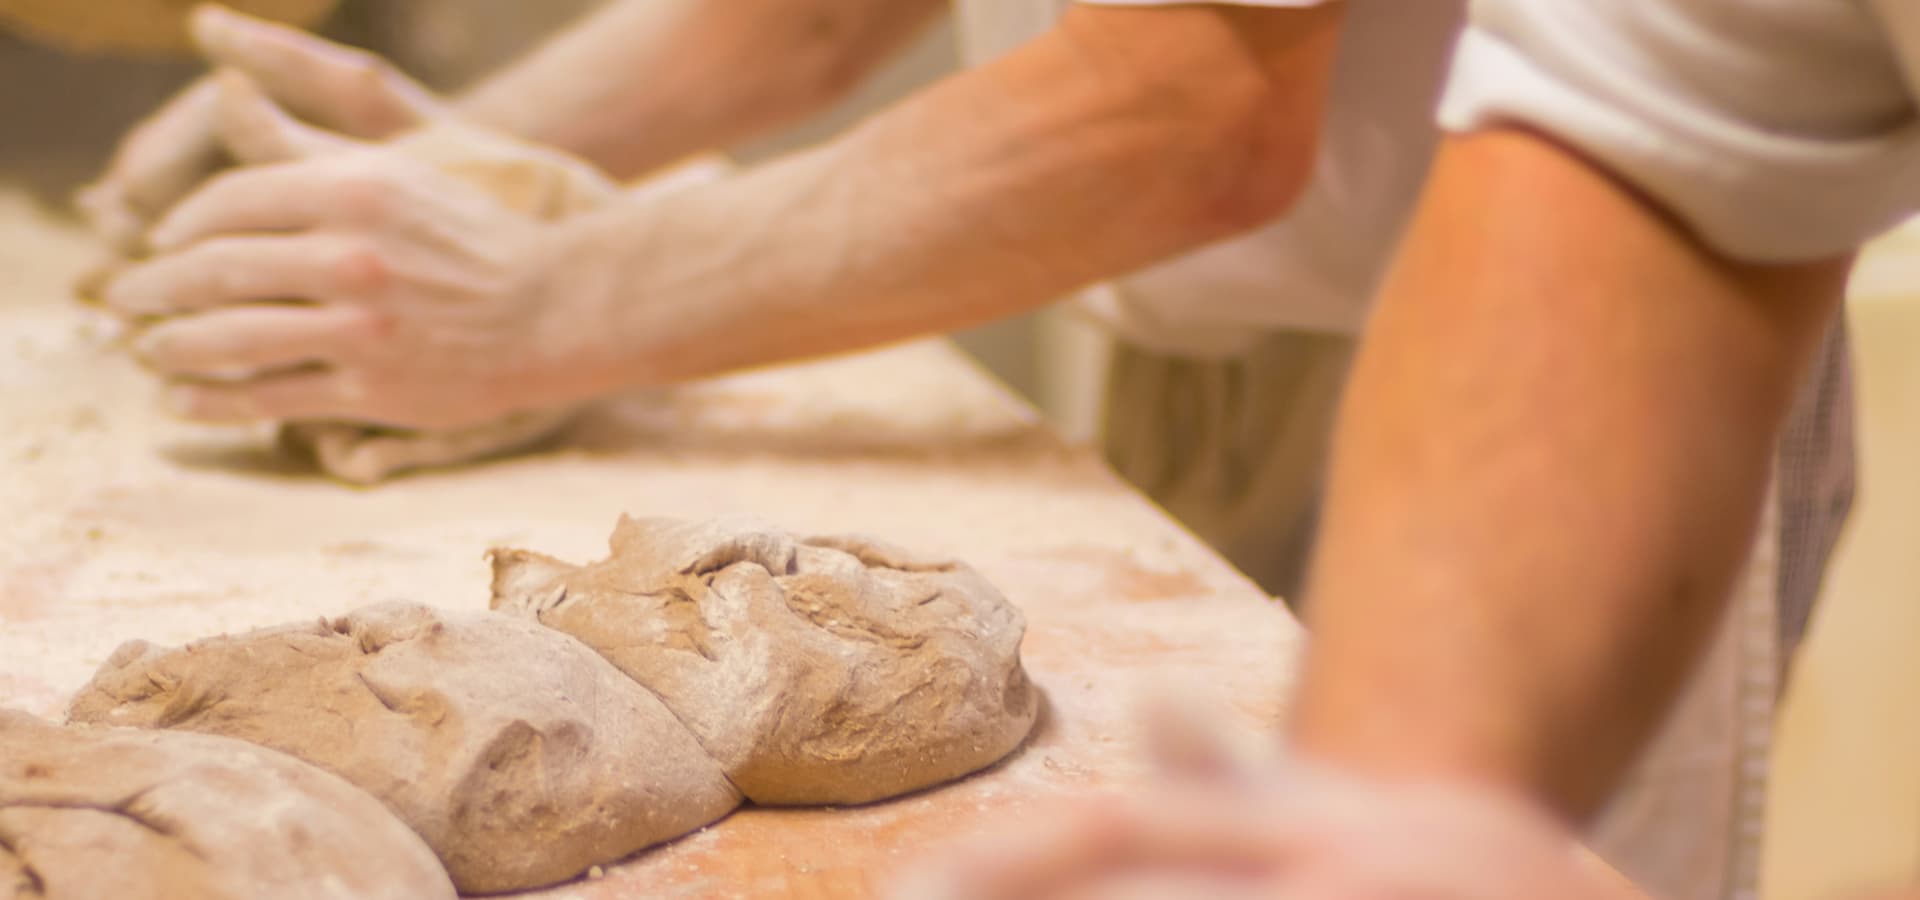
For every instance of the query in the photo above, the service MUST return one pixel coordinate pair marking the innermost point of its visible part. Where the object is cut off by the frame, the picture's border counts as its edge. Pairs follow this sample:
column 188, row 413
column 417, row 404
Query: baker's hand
column 174, row 150
column 1217, row 831
column 351, row 282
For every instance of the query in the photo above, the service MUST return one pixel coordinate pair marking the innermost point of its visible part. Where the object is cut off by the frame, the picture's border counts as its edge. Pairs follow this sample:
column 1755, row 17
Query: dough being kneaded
column 520, row 755
column 831, row 670
column 535, row 181
column 118, row 814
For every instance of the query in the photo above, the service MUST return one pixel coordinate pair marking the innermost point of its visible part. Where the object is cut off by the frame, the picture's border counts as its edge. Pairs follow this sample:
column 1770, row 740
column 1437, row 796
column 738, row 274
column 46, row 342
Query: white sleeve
column 1778, row 130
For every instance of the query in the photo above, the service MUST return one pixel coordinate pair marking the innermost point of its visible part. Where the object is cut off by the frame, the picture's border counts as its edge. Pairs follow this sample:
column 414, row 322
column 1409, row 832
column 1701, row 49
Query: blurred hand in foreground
column 1216, row 828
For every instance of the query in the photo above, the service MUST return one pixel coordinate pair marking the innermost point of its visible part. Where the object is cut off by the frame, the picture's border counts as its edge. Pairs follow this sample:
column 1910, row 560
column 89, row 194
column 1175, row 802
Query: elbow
column 1221, row 105
column 1252, row 154
column 1255, row 170
column 827, row 55
column 1213, row 165
column 1238, row 136
column 818, row 82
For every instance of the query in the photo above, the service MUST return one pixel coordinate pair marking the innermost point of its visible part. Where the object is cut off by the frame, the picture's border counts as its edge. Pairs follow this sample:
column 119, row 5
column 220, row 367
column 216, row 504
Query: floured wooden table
column 120, row 524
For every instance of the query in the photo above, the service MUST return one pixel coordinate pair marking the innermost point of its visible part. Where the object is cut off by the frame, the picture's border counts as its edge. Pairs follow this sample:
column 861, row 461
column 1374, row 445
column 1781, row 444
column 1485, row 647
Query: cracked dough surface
column 608, row 707
column 90, row 813
column 517, row 753
column 830, row 670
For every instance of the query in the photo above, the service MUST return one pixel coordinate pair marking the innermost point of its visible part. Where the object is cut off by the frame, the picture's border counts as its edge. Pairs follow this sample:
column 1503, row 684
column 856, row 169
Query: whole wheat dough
column 517, row 753
column 97, row 813
column 830, row 670
column 536, row 181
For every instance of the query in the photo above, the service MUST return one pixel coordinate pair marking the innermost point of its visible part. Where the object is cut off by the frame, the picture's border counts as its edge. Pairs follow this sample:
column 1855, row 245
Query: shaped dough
column 95, row 813
column 518, row 754
column 831, row 670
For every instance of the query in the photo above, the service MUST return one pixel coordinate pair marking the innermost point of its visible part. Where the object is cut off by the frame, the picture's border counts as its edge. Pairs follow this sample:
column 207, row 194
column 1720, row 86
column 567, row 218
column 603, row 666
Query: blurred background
column 1845, row 809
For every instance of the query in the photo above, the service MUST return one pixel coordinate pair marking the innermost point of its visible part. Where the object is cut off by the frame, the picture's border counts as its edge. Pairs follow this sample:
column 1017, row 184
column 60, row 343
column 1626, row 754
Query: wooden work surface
column 122, row 525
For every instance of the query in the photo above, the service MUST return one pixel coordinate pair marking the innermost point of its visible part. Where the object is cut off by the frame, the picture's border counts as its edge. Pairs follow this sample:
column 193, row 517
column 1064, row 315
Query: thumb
column 341, row 88
column 256, row 131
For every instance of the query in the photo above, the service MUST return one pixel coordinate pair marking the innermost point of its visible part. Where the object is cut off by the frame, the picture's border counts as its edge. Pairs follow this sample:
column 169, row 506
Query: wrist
column 633, row 301
column 583, row 292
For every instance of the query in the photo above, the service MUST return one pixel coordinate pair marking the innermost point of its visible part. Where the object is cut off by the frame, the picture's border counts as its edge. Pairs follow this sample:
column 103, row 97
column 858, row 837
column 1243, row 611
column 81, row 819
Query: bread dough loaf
column 517, row 753
column 821, row 671
column 138, row 27
column 533, row 180
column 98, row 813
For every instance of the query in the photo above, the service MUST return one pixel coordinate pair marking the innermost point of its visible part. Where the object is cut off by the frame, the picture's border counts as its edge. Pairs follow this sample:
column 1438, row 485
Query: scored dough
column 520, row 755
column 88, row 813
column 821, row 671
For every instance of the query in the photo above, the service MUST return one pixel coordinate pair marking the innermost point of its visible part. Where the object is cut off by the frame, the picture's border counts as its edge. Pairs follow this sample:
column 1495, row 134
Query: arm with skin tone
column 1122, row 137
column 643, row 83
column 637, row 85
column 1548, row 469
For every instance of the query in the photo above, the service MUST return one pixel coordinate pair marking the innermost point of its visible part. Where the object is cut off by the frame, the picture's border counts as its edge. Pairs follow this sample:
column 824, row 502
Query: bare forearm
column 643, row 83
column 1551, row 457
column 989, row 194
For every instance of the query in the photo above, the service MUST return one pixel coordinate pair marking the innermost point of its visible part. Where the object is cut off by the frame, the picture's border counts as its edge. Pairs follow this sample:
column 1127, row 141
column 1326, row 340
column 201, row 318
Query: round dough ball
column 521, row 756
column 90, row 813
column 138, row 27
column 831, row 670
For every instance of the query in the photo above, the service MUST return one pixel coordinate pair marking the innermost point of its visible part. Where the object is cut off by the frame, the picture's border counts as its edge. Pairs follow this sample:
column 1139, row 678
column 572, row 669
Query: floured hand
column 1217, row 828
column 176, row 149
column 416, row 263
column 213, row 318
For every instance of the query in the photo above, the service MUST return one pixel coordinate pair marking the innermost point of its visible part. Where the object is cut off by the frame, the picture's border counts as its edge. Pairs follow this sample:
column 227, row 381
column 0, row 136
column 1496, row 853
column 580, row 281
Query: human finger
column 158, row 162
column 285, row 196
column 240, row 269
column 300, row 394
column 337, row 87
column 244, row 342
column 256, row 131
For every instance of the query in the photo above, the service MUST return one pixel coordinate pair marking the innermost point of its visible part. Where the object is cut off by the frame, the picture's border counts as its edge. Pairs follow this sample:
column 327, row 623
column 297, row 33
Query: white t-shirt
column 1779, row 130
column 1315, row 268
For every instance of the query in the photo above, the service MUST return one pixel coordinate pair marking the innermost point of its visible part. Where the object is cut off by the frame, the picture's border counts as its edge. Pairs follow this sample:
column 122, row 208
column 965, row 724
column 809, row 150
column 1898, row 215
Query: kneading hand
column 171, row 152
column 423, row 298
column 1217, row 830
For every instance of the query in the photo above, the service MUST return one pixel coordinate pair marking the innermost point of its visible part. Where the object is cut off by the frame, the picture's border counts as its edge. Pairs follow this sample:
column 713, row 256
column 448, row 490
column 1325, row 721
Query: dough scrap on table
column 89, row 813
column 831, row 670
column 517, row 753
